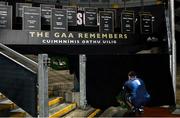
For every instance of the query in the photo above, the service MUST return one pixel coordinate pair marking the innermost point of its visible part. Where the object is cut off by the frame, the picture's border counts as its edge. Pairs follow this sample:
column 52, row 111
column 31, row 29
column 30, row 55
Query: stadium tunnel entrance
column 107, row 74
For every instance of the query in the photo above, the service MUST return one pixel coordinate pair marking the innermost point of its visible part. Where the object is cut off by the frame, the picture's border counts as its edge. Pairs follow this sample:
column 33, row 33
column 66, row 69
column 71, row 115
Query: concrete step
column 10, row 109
column 59, row 89
column 55, row 101
column 59, row 81
column 7, row 104
column 95, row 113
column 59, row 85
column 2, row 96
column 18, row 113
column 61, row 109
column 80, row 113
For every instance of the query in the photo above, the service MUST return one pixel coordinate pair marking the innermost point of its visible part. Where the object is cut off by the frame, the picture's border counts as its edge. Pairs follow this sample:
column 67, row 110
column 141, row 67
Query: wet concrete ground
column 155, row 112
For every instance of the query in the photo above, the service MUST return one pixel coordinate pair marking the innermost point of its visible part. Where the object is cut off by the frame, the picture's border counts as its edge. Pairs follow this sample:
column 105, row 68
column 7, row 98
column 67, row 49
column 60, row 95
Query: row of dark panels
column 102, row 20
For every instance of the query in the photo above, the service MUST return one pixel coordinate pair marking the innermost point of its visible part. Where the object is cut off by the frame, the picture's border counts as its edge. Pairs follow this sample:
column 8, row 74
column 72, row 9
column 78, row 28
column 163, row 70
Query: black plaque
column 106, row 21
column 146, row 23
column 6, row 17
column 59, row 20
column 115, row 16
column 19, row 8
column 3, row 3
column 31, row 18
column 46, row 13
column 127, row 22
column 72, row 15
column 90, row 16
column 98, row 18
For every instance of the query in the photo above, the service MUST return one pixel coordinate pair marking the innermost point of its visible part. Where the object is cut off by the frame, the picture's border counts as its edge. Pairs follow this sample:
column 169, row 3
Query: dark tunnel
column 107, row 74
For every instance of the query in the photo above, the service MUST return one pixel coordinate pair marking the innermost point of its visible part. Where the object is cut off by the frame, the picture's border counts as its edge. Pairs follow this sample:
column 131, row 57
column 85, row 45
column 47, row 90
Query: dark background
column 107, row 74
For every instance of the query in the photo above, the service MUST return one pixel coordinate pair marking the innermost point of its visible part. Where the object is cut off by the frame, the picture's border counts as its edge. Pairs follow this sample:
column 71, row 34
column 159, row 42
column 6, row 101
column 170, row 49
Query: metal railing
column 21, row 59
column 20, row 56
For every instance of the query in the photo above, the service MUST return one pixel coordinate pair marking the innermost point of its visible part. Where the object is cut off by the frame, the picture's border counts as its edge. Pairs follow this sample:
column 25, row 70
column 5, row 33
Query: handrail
column 24, row 58
column 22, row 65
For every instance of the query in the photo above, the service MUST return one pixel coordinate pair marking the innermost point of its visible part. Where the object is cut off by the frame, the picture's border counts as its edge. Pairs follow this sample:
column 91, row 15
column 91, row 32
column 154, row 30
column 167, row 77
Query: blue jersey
column 137, row 91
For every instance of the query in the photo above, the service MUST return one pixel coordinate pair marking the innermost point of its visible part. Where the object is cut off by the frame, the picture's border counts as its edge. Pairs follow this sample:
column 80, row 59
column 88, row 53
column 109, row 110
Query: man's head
column 131, row 74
